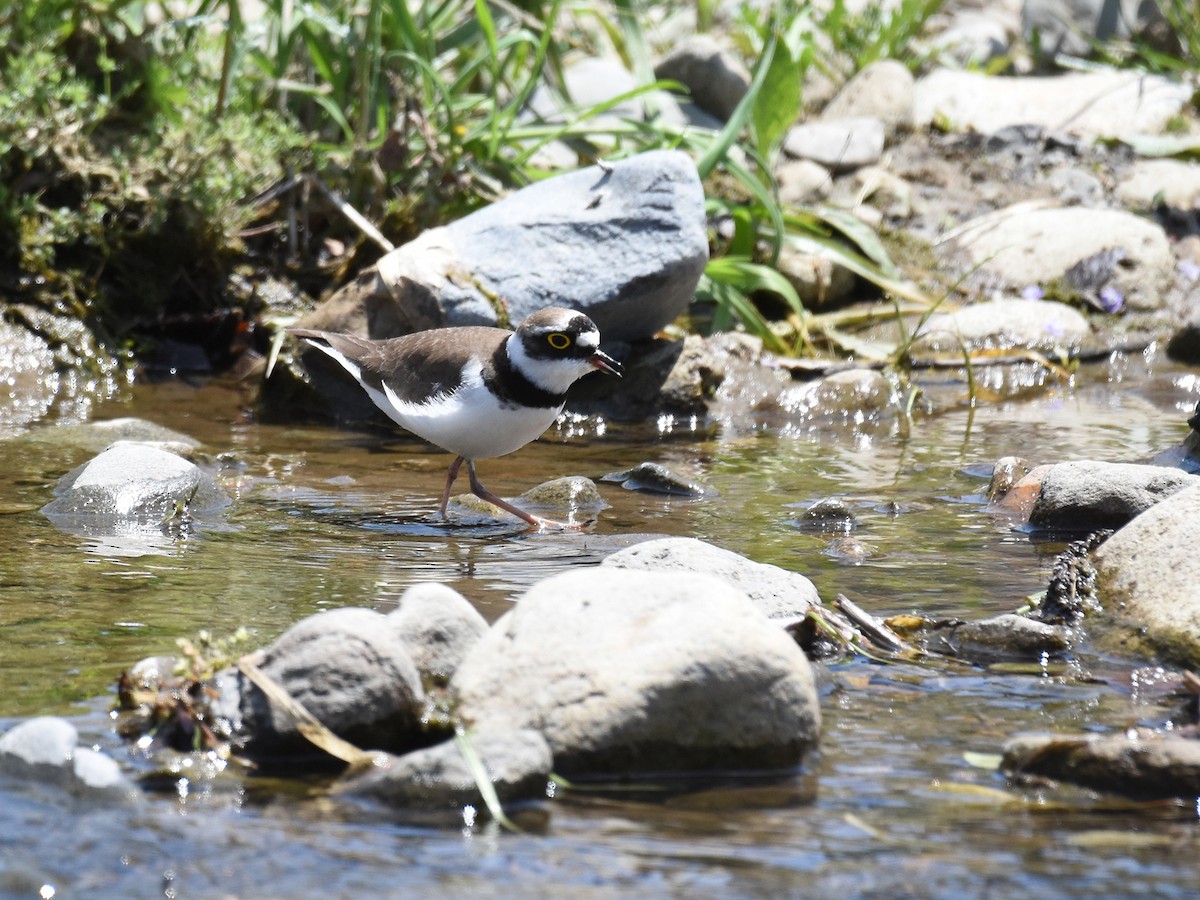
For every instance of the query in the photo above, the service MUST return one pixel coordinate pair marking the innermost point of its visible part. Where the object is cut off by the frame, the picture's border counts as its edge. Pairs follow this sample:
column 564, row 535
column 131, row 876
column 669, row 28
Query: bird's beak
column 605, row 363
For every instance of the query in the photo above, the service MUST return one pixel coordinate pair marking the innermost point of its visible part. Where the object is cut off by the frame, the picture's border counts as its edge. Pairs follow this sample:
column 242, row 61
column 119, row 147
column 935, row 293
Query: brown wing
column 415, row 366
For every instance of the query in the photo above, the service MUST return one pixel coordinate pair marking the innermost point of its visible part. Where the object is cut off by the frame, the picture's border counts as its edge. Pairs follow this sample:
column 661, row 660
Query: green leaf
column 732, row 303
column 862, row 235
column 777, row 105
column 726, row 137
column 750, row 276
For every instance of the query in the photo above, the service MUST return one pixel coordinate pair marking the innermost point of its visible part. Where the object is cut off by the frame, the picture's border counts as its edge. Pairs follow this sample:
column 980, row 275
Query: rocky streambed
column 877, row 623
column 880, row 765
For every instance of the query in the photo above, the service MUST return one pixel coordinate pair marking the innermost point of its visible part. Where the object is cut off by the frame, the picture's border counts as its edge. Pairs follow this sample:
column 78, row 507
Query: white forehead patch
column 588, row 340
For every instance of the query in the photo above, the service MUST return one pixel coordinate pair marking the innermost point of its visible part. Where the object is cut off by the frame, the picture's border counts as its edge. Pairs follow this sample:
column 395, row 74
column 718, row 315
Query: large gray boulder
column 348, row 667
column 1087, row 495
column 1146, row 577
column 626, row 245
column 46, row 749
column 778, row 593
column 628, row 671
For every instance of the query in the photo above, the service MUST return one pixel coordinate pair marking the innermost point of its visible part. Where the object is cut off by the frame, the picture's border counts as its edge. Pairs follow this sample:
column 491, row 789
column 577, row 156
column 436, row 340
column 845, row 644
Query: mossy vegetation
column 155, row 156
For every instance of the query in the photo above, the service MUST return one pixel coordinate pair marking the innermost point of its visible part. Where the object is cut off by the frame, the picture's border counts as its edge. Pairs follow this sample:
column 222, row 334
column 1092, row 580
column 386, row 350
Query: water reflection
column 889, row 807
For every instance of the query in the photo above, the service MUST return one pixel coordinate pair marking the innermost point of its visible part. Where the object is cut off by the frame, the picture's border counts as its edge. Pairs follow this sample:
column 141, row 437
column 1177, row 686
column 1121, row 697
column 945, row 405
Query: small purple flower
column 1032, row 292
column 1111, row 300
column 1189, row 270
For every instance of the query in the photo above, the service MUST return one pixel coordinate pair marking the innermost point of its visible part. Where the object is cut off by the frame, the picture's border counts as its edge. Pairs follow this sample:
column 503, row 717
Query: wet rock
column 716, row 79
column 653, row 478
column 1037, row 246
column 46, row 749
column 1104, row 103
column 1083, row 496
column 28, row 380
column 1040, row 325
column 1006, row 636
column 437, row 625
column 518, row 763
column 830, row 514
column 776, row 592
column 850, row 549
column 881, row 90
column 1005, row 474
column 1024, row 493
column 1071, row 593
column 838, row 144
column 103, row 433
column 1154, row 182
column 1146, row 577
column 1145, row 766
column 626, row 247
column 348, row 667
column 571, row 495
column 638, row 672
column 1184, row 345
column 853, row 396
column 136, row 483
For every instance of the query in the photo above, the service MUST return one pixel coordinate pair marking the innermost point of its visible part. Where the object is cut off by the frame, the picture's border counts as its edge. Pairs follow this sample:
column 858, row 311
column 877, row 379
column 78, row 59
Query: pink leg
column 484, row 494
column 450, row 476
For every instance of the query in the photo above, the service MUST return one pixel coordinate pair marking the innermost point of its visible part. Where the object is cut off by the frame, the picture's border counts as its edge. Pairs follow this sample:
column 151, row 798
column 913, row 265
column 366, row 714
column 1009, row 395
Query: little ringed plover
column 475, row 391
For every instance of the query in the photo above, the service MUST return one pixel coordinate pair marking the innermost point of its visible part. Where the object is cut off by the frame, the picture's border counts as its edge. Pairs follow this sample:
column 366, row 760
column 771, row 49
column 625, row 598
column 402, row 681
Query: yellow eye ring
column 558, row 340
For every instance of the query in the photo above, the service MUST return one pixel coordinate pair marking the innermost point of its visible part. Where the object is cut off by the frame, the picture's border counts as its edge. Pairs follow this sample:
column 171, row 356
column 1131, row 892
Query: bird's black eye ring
column 558, row 340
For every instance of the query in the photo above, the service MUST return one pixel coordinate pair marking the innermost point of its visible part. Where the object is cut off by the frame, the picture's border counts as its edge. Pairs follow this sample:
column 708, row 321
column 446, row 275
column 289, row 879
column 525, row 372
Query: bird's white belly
column 471, row 422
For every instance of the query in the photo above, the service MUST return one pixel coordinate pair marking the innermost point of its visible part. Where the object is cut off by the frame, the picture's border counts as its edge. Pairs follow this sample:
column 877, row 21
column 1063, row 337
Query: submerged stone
column 134, row 482
column 653, row 478
column 1146, row 766
column 518, row 764
column 46, row 749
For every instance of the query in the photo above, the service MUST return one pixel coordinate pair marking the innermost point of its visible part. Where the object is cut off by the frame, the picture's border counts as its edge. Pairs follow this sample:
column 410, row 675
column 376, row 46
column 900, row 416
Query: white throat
column 552, row 375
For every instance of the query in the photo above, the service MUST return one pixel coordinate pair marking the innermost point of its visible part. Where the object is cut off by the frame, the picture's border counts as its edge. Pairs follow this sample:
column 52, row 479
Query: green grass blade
column 727, row 136
column 483, row 781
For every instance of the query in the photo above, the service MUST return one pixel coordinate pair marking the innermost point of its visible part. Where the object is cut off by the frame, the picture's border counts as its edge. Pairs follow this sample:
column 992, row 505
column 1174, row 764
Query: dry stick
column 359, row 220
column 874, row 629
column 306, row 723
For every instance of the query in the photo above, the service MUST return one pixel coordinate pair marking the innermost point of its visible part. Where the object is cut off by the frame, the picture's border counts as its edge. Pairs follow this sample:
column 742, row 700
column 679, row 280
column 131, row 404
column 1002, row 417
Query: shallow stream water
column 325, row 518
